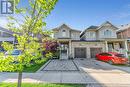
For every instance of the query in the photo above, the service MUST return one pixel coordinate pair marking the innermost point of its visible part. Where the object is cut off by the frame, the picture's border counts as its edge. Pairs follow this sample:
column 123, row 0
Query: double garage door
column 81, row 52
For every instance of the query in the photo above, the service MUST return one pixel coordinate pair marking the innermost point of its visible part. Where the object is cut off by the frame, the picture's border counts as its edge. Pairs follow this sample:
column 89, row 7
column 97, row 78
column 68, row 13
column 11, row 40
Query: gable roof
column 6, row 30
column 92, row 27
column 64, row 25
column 97, row 27
column 107, row 22
column 123, row 28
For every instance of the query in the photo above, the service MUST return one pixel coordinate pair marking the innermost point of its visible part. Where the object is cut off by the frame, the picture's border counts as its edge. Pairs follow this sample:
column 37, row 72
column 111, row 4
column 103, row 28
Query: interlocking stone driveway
column 60, row 65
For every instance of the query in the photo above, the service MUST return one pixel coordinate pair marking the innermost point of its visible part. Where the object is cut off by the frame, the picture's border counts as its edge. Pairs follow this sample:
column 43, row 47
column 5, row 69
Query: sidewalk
column 46, row 77
column 69, row 77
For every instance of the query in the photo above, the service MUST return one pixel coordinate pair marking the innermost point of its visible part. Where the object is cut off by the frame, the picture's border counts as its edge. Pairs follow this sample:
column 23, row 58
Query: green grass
column 35, row 67
column 123, row 65
column 40, row 85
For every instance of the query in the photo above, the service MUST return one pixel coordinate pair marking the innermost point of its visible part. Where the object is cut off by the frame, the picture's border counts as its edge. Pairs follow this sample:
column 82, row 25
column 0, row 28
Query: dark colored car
column 112, row 58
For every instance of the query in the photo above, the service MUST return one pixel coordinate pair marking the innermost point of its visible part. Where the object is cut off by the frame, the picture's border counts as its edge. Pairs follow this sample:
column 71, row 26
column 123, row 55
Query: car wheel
column 110, row 62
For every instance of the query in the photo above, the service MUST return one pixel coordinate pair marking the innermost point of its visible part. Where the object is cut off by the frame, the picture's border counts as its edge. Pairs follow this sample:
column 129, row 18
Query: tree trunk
column 19, row 79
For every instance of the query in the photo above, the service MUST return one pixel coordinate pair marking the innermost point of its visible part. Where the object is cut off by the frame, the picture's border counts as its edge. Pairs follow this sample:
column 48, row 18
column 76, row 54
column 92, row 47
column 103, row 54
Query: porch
column 117, row 45
column 64, row 48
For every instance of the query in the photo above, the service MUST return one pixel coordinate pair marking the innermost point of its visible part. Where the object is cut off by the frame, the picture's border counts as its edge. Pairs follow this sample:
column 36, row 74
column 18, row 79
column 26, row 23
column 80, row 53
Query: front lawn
column 40, row 85
column 35, row 67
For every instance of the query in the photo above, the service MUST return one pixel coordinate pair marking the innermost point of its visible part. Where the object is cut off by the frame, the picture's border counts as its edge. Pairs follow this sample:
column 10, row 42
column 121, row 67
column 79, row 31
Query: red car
column 112, row 58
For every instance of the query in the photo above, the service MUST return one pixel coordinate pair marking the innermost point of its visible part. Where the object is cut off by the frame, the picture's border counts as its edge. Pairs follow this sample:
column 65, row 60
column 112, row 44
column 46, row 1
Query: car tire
column 110, row 62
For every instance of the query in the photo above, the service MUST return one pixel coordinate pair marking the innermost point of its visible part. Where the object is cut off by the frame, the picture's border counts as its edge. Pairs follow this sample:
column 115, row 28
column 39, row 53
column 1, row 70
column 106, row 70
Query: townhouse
column 86, row 44
column 6, row 35
column 124, row 33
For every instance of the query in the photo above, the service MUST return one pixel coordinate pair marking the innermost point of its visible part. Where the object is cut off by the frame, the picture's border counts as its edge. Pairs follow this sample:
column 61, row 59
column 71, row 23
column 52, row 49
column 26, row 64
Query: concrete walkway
column 91, row 72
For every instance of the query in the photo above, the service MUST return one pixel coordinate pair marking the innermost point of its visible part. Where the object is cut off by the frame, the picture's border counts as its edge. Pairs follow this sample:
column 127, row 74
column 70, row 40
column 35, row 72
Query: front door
column 110, row 47
column 64, row 51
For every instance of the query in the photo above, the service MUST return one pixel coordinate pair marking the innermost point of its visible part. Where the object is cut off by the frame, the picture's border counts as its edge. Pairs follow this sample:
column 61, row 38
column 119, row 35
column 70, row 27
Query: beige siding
column 90, row 35
column 102, row 34
column 75, row 35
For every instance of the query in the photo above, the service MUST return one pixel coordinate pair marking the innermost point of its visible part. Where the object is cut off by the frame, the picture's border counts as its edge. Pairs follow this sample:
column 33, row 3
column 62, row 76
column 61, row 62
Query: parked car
column 2, row 49
column 112, row 58
column 14, row 52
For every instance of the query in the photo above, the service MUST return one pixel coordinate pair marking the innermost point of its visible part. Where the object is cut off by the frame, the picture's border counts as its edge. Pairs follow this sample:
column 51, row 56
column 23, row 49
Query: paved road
column 92, row 72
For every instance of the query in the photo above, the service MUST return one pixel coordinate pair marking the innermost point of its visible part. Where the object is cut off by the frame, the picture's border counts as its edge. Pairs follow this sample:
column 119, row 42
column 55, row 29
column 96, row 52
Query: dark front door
column 80, row 52
column 95, row 51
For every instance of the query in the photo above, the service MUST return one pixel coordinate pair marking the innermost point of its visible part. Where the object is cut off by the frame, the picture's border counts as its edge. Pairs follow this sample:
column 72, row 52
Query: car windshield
column 14, row 52
column 120, row 55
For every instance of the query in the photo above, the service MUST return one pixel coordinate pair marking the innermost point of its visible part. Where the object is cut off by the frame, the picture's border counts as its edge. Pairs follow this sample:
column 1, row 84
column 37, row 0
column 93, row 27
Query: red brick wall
column 124, row 34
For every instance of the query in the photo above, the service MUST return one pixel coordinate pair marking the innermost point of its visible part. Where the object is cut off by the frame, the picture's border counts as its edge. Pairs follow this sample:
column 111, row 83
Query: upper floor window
column 6, row 34
column 63, row 33
column 92, row 34
column 107, row 33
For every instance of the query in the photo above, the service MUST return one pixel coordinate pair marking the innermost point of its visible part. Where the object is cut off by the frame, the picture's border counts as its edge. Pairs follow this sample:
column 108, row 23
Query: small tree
column 51, row 46
column 26, row 31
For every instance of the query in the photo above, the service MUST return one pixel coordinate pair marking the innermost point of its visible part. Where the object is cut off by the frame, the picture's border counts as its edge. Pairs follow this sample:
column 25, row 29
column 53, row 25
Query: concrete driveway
column 94, row 66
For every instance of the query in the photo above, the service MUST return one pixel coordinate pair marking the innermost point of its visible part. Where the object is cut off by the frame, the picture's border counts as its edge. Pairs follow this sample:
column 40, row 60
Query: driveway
column 89, row 71
column 94, row 66
column 83, row 65
column 60, row 65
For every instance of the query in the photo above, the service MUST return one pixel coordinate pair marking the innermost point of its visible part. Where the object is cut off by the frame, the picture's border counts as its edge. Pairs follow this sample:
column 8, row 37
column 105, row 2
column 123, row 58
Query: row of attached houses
column 85, row 44
column 93, row 40
column 6, row 35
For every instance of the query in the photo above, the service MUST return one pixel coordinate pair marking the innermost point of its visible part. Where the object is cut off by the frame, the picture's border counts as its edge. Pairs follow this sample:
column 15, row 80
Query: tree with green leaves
column 27, row 25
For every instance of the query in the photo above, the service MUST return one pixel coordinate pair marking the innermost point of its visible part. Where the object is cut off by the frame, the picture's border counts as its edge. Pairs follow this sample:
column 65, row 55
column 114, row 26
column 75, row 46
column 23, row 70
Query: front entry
column 80, row 52
column 64, row 51
column 110, row 47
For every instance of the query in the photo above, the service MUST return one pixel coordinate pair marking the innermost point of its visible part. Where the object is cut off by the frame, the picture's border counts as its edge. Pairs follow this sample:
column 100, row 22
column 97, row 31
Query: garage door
column 95, row 51
column 80, row 52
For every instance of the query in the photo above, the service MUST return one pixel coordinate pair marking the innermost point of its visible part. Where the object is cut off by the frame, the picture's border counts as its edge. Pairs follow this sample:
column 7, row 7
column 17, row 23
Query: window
column 105, row 54
column 120, row 55
column 92, row 34
column 107, row 33
column 63, row 33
